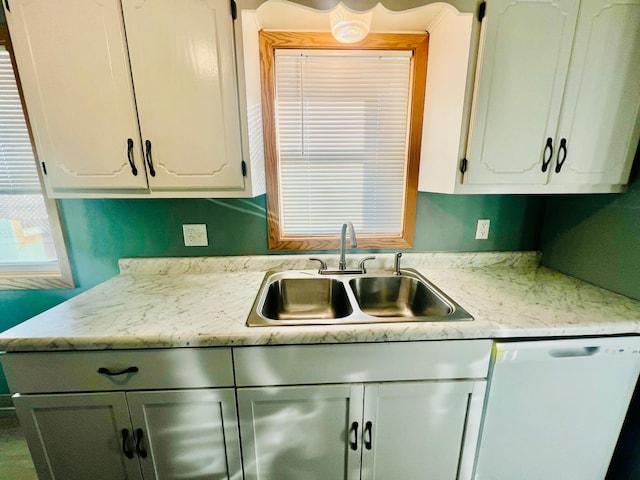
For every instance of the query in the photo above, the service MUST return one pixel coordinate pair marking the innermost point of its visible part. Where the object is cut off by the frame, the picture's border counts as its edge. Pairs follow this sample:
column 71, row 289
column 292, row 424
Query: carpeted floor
column 15, row 461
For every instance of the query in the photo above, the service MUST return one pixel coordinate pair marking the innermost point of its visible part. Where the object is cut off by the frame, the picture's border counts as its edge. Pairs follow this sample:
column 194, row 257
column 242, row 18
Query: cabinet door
column 414, row 430
column 182, row 59
column 74, row 69
column 294, row 433
column 601, row 110
column 78, row 436
column 186, row 434
column 524, row 57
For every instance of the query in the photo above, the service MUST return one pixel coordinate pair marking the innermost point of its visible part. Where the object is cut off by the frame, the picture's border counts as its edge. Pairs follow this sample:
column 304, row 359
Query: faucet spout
column 342, row 265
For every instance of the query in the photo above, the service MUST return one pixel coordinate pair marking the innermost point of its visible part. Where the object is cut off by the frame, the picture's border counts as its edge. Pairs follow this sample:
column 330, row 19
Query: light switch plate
column 195, row 235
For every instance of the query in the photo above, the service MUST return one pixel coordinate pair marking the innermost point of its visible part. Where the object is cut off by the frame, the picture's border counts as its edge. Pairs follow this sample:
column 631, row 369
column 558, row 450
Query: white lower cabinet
column 71, row 436
column 395, row 410
column 416, row 430
column 301, row 432
column 133, row 435
column 402, row 430
column 401, row 411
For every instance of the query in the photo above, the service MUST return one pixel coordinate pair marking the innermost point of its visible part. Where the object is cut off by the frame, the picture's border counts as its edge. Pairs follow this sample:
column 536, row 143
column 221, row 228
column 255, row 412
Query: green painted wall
column 99, row 232
column 596, row 238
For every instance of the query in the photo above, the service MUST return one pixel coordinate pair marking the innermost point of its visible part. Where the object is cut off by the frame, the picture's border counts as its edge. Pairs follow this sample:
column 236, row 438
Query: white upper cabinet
column 81, row 62
column 73, row 64
column 600, row 118
column 556, row 105
column 527, row 46
column 183, row 66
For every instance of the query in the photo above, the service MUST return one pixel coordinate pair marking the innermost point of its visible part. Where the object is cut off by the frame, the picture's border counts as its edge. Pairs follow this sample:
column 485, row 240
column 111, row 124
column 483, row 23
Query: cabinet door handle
column 106, row 371
column 562, row 150
column 125, row 448
column 354, row 429
column 548, row 148
column 152, row 171
column 139, row 448
column 366, row 436
column 134, row 170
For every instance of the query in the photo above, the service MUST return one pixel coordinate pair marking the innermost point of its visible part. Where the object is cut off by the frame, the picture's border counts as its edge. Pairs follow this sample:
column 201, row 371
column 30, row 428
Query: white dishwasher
column 555, row 408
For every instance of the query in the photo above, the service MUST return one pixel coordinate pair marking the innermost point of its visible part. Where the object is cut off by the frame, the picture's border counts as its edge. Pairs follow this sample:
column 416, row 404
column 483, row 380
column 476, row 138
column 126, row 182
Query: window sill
column 31, row 281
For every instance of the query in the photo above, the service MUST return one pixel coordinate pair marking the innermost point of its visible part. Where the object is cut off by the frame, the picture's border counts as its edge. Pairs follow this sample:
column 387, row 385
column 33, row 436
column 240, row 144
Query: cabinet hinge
column 482, row 9
column 44, row 168
column 463, row 165
column 234, row 9
column 244, row 168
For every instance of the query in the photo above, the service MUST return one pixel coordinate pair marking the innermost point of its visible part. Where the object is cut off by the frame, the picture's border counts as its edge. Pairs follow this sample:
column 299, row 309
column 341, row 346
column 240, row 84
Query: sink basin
column 398, row 296
column 309, row 298
column 306, row 299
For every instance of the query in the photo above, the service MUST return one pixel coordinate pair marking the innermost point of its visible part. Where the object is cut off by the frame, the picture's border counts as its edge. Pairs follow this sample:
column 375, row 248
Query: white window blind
column 18, row 174
column 341, row 119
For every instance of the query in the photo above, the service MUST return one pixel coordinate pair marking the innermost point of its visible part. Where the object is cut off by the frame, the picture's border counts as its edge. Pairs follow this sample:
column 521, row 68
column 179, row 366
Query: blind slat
column 18, row 173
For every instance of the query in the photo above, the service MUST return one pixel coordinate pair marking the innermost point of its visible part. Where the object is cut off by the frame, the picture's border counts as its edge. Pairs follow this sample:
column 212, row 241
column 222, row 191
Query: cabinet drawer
column 310, row 364
column 78, row 371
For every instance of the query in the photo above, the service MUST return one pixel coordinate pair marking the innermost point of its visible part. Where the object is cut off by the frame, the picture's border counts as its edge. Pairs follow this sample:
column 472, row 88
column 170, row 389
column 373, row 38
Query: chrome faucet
column 342, row 264
column 396, row 264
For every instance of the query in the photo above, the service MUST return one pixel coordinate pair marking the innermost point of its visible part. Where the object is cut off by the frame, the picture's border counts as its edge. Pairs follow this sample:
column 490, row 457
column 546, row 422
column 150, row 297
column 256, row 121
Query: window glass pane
column 342, row 140
column 25, row 231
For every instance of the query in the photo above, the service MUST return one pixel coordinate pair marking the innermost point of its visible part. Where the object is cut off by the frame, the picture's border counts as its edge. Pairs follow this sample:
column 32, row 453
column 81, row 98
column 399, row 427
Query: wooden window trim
column 269, row 42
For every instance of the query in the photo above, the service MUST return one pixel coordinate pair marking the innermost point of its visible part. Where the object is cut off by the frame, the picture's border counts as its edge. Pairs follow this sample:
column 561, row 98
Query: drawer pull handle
column 106, row 371
column 141, row 451
column 354, row 429
column 125, row 448
column 367, row 435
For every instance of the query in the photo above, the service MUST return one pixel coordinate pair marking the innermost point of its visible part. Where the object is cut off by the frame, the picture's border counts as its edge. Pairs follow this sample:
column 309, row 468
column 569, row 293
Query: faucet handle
column 323, row 264
column 396, row 263
column 362, row 262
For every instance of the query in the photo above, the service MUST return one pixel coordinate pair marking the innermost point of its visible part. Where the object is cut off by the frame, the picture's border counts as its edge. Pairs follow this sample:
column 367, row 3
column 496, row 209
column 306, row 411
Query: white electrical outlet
column 482, row 230
column 195, row 235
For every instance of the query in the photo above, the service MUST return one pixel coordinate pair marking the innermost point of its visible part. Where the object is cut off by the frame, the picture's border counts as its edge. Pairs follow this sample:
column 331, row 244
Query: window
column 32, row 251
column 342, row 127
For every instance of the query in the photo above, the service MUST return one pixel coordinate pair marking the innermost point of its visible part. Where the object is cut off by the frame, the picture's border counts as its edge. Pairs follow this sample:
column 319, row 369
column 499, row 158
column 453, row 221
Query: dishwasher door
column 555, row 408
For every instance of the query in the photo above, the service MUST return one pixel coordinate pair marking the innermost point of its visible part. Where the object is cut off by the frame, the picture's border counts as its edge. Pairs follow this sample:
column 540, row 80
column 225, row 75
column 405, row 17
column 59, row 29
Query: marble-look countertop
column 201, row 302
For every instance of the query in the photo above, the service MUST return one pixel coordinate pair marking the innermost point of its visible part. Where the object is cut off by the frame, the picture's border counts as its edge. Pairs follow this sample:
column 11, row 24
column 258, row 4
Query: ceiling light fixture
column 348, row 26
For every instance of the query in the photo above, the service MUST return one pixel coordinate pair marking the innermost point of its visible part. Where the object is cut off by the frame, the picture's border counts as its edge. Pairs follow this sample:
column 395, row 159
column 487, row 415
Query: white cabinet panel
column 350, row 363
column 186, row 434
column 110, row 370
column 414, row 430
column 182, row 60
column 293, row 433
column 73, row 62
column 79, row 436
column 526, row 51
column 602, row 96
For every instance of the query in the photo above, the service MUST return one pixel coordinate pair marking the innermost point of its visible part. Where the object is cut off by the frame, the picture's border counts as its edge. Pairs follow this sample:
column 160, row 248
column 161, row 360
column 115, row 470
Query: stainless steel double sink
column 309, row 298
